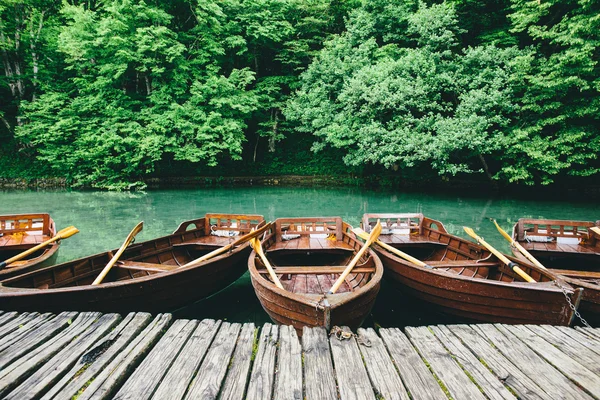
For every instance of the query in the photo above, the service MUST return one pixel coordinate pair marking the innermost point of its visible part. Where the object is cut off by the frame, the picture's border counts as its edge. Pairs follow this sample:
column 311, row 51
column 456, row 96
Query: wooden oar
column 243, row 239
column 369, row 241
column 62, row 234
column 258, row 249
column 500, row 256
column 518, row 246
column 138, row 228
column 596, row 230
column 364, row 235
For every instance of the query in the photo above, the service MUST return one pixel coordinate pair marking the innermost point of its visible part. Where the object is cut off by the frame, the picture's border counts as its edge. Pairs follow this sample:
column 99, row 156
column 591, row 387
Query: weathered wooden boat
column 308, row 256
column 568, row 248
column 149, row 276
column 464, row 279
column 21, row 232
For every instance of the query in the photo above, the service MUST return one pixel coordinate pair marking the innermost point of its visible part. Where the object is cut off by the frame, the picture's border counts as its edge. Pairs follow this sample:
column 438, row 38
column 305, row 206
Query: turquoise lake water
column 105, row 218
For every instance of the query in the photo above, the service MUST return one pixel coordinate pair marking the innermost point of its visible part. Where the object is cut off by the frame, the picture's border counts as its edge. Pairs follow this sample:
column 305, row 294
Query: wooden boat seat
column 577, row 274
column 409, row 240
column 461, row 263
column 143, row 266
column 23, row 240
column 306, row 243
column 209, row 241
column 318, row 270
column 557, row 247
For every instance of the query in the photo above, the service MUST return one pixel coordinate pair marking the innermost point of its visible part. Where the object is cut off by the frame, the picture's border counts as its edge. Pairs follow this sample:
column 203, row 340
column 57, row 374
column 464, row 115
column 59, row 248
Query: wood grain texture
column 110, row 378
column 177, row 380
column 441, row 362
column 17, row 322
column 489, row 383
column 146, row 378
column 90, row 364
column 52, row 370
column 288, row 381
column 531, row 363
column 353, row 380
column 319, row 377
column 262, row 376
column 12, row 338
column 381, row 370
column 208, row 381
column 419, row 381
column 571, row 368
column 234, row 386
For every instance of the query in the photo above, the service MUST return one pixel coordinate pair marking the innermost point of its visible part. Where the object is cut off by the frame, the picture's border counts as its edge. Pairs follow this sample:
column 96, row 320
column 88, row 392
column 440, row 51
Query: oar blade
column 502, row 231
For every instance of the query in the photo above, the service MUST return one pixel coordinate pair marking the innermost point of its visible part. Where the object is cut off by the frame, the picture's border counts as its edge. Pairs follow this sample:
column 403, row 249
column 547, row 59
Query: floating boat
column 308, row 256
column 568, row 248
column 463, row 278
column 149, row 276
column 21, row 232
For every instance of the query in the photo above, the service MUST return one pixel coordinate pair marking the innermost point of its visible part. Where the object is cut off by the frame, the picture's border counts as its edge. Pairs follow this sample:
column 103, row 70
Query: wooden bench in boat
column 307, row 243
column 144, row 266
column 461, row 263
column 334, row 269
column 577, row 274
column 209, row 241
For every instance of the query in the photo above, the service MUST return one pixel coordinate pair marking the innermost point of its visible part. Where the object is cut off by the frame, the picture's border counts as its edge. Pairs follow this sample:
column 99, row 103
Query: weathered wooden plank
column 235, row 383
column 353, row 380
column 419, row 381
column 107, row 381
column 590, row 332
column 146, row 378
column 51, row 371
column 506, row 371
column 7, row 316
column 551, row 380
column 569, row 345
column 448, row 370
column 35, row 338
column 17, row 322
column 210, row 376
column 262, row 376
column 491, row 386
column 288, row 382
column 98, row 357
column 570, row 333
column 177, row 380
column 381, row 370
column 13, row 374
column 13, row 337
column 319, row 378
column 574, row 370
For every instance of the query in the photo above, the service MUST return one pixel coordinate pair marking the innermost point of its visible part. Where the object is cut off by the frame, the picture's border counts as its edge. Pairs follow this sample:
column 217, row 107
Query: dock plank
column 288, row 382
column 7, row 316
column 147, row 376
column 262, row 376
column 17, row 371
column 98, row 357
column 353, row 380
column 319, row 378
column 15, row 323
column 177, row 380
column 419, row 381
column 381, row 370
column 575, row 335
column 592, row 333
column 234, row 387
column 574, row 370
column 487, row 381
column 210, row 376
column 105, row 381
column 52, row 370
column 531, row 364
column 445, row 367
column 15, row 336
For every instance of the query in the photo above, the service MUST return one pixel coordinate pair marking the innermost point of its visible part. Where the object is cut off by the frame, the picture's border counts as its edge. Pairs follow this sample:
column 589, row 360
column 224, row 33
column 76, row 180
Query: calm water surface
column 104, row 220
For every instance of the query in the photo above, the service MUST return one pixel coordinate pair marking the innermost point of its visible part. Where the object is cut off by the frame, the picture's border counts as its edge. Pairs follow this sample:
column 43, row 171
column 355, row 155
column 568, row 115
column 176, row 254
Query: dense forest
column 109, row 93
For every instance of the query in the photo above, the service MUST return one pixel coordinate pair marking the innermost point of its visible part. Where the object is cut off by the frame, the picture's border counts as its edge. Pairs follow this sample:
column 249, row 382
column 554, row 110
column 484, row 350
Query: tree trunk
column 35, row 37
column 275, row 119
column 487, row 171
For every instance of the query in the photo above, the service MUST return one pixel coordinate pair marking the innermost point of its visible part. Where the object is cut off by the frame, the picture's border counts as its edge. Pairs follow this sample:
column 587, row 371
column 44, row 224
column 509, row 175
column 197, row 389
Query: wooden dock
column 94, row 356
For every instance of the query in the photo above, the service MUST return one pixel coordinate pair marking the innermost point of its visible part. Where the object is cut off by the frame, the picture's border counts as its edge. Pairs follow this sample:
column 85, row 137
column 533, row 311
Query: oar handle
column 500, row 256
column 62, row 234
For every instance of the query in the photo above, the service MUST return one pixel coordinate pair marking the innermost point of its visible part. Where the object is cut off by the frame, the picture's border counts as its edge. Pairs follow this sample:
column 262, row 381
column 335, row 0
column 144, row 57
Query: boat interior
column 429, row 241
column 191, row 240
column 309, row 254
column 22, row 232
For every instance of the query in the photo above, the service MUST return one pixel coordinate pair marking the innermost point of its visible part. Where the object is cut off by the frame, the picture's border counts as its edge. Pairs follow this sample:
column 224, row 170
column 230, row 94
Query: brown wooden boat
column 568, row 248
column 462, row 278
column 21, row 232
column 148, row 277
column 308, row 255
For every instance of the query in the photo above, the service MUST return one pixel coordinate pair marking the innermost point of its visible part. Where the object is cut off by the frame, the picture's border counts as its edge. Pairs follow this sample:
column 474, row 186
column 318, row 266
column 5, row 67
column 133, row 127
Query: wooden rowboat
column 462, row 278
column 308, row 255
column 148, row 277
column 21, row 232
column 568, row 248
